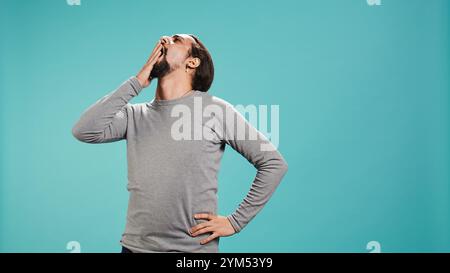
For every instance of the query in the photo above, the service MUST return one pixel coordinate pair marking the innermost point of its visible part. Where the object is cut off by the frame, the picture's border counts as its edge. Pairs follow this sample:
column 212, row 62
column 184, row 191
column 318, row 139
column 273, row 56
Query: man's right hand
column 144, row 75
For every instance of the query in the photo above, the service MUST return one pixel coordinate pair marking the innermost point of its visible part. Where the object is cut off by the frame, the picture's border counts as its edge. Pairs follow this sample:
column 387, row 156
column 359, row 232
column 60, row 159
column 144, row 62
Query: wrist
column 140, row 80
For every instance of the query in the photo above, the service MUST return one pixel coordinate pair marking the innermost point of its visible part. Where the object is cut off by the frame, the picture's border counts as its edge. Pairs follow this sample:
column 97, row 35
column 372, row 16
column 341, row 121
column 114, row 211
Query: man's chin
column 158, row 74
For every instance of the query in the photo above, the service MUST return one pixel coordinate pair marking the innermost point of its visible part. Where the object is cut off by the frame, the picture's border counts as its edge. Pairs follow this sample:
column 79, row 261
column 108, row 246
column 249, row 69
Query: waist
column 150, row 244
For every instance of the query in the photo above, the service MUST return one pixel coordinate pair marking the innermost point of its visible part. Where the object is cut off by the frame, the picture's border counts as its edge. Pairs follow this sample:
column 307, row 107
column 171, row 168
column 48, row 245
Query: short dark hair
column 204, row 73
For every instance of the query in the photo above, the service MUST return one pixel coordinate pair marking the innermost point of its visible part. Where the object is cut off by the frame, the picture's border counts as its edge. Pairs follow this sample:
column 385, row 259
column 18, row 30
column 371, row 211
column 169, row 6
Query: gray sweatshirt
column 174, row 149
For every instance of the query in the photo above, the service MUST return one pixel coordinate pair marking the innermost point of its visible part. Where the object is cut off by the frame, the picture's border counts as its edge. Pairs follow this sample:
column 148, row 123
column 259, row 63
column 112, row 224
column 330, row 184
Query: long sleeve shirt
column 174, row 150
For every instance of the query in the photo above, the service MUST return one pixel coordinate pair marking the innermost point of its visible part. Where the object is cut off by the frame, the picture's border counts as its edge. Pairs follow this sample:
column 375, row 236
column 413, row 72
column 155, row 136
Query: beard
column 160, row 69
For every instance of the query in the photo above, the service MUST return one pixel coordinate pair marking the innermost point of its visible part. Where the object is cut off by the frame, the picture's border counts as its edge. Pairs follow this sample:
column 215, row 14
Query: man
column 172, row 169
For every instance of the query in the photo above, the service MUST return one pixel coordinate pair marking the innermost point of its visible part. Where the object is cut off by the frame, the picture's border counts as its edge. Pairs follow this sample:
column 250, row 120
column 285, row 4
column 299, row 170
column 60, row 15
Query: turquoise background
column 364, row 107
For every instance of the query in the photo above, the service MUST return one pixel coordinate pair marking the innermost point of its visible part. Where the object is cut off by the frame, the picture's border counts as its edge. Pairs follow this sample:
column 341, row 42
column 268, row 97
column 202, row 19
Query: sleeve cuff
column 137, row 87
column 234, row 223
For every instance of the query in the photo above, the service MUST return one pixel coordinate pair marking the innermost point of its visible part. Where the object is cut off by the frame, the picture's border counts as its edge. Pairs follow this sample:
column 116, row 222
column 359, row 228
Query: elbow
column 276, row 165
column 87, row 135
column 281, row 164
column 83, row 135
column 284, row 167
column 77, row 132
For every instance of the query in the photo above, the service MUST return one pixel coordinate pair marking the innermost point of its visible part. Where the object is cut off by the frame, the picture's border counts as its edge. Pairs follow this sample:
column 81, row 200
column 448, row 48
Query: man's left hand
column 218, row 225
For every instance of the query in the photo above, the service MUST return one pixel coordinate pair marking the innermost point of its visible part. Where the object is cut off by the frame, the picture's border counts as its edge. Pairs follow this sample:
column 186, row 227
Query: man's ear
column 193, row 63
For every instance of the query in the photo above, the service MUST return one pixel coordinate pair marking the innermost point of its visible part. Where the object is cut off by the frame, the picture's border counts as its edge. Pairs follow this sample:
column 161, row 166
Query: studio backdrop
column 355, row 95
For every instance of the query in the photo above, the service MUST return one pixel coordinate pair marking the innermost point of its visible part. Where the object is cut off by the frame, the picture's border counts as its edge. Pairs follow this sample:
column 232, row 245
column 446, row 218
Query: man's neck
column 172, row 86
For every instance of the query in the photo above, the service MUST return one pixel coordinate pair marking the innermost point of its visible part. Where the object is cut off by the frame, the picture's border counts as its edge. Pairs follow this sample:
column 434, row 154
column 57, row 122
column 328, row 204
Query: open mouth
column 163, row 51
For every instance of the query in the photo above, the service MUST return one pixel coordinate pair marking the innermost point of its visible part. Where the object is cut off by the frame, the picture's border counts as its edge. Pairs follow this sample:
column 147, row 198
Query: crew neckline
column 156, row 102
